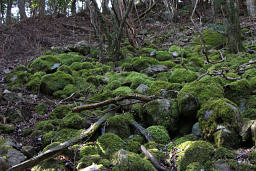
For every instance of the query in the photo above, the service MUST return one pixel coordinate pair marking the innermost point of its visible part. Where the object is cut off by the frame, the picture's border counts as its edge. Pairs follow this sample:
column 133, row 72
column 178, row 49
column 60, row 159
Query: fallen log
column 113, row 101
column 142, row 130
column 55, row 150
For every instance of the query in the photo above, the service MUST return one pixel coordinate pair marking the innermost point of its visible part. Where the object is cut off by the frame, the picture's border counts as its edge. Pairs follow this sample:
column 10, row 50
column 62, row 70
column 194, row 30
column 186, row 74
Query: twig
column 153, row 159
column 65, row 99
column 142, row 130
column 113, row 101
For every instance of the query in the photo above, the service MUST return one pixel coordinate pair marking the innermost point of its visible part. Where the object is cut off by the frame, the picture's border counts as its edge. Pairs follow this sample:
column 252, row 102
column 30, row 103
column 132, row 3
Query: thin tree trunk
column 233, row 26
column 251, row 7
column 73, row 7
column 1, row 9
column 9, row 12
column 42, row 8
column 21, row 5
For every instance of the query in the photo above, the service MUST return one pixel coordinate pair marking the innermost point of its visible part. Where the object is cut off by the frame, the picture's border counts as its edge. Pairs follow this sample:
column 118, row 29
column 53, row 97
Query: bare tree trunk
column 9, row 12
column 73, row 7
column 233, row 26
column 1, row 9
column 42, row 8
column 21, row 5
column 251, row 7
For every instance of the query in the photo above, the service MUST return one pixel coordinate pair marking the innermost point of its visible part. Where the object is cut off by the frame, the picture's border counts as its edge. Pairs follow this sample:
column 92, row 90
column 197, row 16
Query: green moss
column 6, row 128
column 235, row 90
column 60, row 112
column 60, row 136
column 193, row 151
column 175, row 48
column 183, row 76
column 122, row 91
column 252, row 157
column 113, row 85
column 88, row 161
column 17, row 79
column 96, row 80
column 141, row 63
column 45, row 126
column 180, row 140
column 135, row 79
column 249, row 73
column 219, row 112
column 203, row 90
column 88, row 149
column 119, row 124
column 35, row 81
column 66, row 92
column 223, row 153
column 74, row 120
column 212, row 38
column 69, row 58
column 65, row 68
column 56, row 81
column 45, row 64
column 110, row 143
column 156, row 87
column 41, row 108
column 133, row 146
column 159, row 134
column 127, row 161
column 169, row 63
column 163, row 55
column 146, row 51
column 195, row 166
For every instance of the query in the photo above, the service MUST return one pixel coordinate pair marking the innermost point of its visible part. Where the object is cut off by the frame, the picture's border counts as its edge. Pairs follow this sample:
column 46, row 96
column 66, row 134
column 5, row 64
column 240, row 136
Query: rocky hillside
column 198, row 115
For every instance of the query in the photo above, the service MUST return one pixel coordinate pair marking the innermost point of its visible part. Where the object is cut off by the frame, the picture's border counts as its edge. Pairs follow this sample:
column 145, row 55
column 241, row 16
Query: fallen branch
column 35, row 160
column 153, row 159
column 142, row 130
column 113, row 101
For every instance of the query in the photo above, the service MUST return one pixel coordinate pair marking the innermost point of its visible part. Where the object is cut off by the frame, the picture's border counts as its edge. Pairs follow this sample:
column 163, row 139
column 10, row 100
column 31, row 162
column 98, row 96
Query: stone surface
column 142, row 89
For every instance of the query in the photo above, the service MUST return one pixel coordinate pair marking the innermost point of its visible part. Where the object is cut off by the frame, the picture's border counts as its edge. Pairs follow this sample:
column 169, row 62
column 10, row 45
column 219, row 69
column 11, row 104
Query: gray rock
column 196, row 129
column 175, row 54
column 153, row 70
column 142, row 89
column 4, row 165
column 13, row 156
column 28, row 151
column 152, row 54
column 93, row 167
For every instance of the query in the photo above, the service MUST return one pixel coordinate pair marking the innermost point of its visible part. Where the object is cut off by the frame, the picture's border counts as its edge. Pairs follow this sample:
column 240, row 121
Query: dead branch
column 142, row 130
column 147, row 11
column 153, row 159
column 113, row 101
column 55, row 150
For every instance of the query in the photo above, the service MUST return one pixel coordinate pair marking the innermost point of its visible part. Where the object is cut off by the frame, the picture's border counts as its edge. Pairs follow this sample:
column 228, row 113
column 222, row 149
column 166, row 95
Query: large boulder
column 221, row 114
column 46, row 64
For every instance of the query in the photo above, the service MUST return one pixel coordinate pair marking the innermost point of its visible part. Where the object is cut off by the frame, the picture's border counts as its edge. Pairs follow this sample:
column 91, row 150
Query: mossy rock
column 110, row 143
column 211, row 38
column 113, row 85
column 142, row 63
column 145, row 51
column 54, row 82
column 252, row 157
column 35, row 81
column 203, row 90
column 81, row 65
column 17, row 79
column 226, row 138
column 60, row 112
column 218, row 114
column 119, row 125
column 237, row 90
column 135, row 79
column 163, row 55
column 41, row 108
column 61, row 135
column 182, row 75
column 74, row 120
column 193, row 151
column 67, row 91
column 88, row 160
column 180, row 140
column 69, row 58
column 223, row 153
column 126, row 161
column 88, row 149
column 157, row 87
column 65, row 68
column 46, row 64
column 133, row 146
column 178, row 49
column 122, row 91
column 159, row 134
column 160, row 112
column 45, row 126
column 195, row 166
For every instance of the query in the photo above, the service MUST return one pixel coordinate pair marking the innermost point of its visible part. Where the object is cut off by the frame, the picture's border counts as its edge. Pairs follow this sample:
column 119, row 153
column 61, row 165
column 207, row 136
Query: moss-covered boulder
column 65, row 68
column 46, row 64
column 159, row 88
column 54, row 82
column 88, row 149
column 141, row 63
column 60, row 112
column 135, row 79
column 193, row 151
column 6, row 128
column 110, row 143
column 88, row 160
column 182, row 75
column 126, row 161
column 161, row 112
column 217, row 115
column 163, row 56
column 159, row 134
column 35, row 81
column 119, row 125
column 237, row 90
column 122, row 91
column 74, row 120
column 17, row 79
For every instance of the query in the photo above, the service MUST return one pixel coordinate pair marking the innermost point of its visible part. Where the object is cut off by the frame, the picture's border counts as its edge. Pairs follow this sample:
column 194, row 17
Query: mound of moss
column 46, row 64
column 182, row 75
column 159, row 134
column 54, row 82
column 35, row 81
column 18, row 78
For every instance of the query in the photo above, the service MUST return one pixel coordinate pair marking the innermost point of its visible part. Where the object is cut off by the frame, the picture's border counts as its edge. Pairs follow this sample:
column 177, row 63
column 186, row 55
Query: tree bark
column 21, row 5
column 1, row 13
column 233, row 26
column 73, row 7
column 251, row 7
column 42, row 8
column 9, row 12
